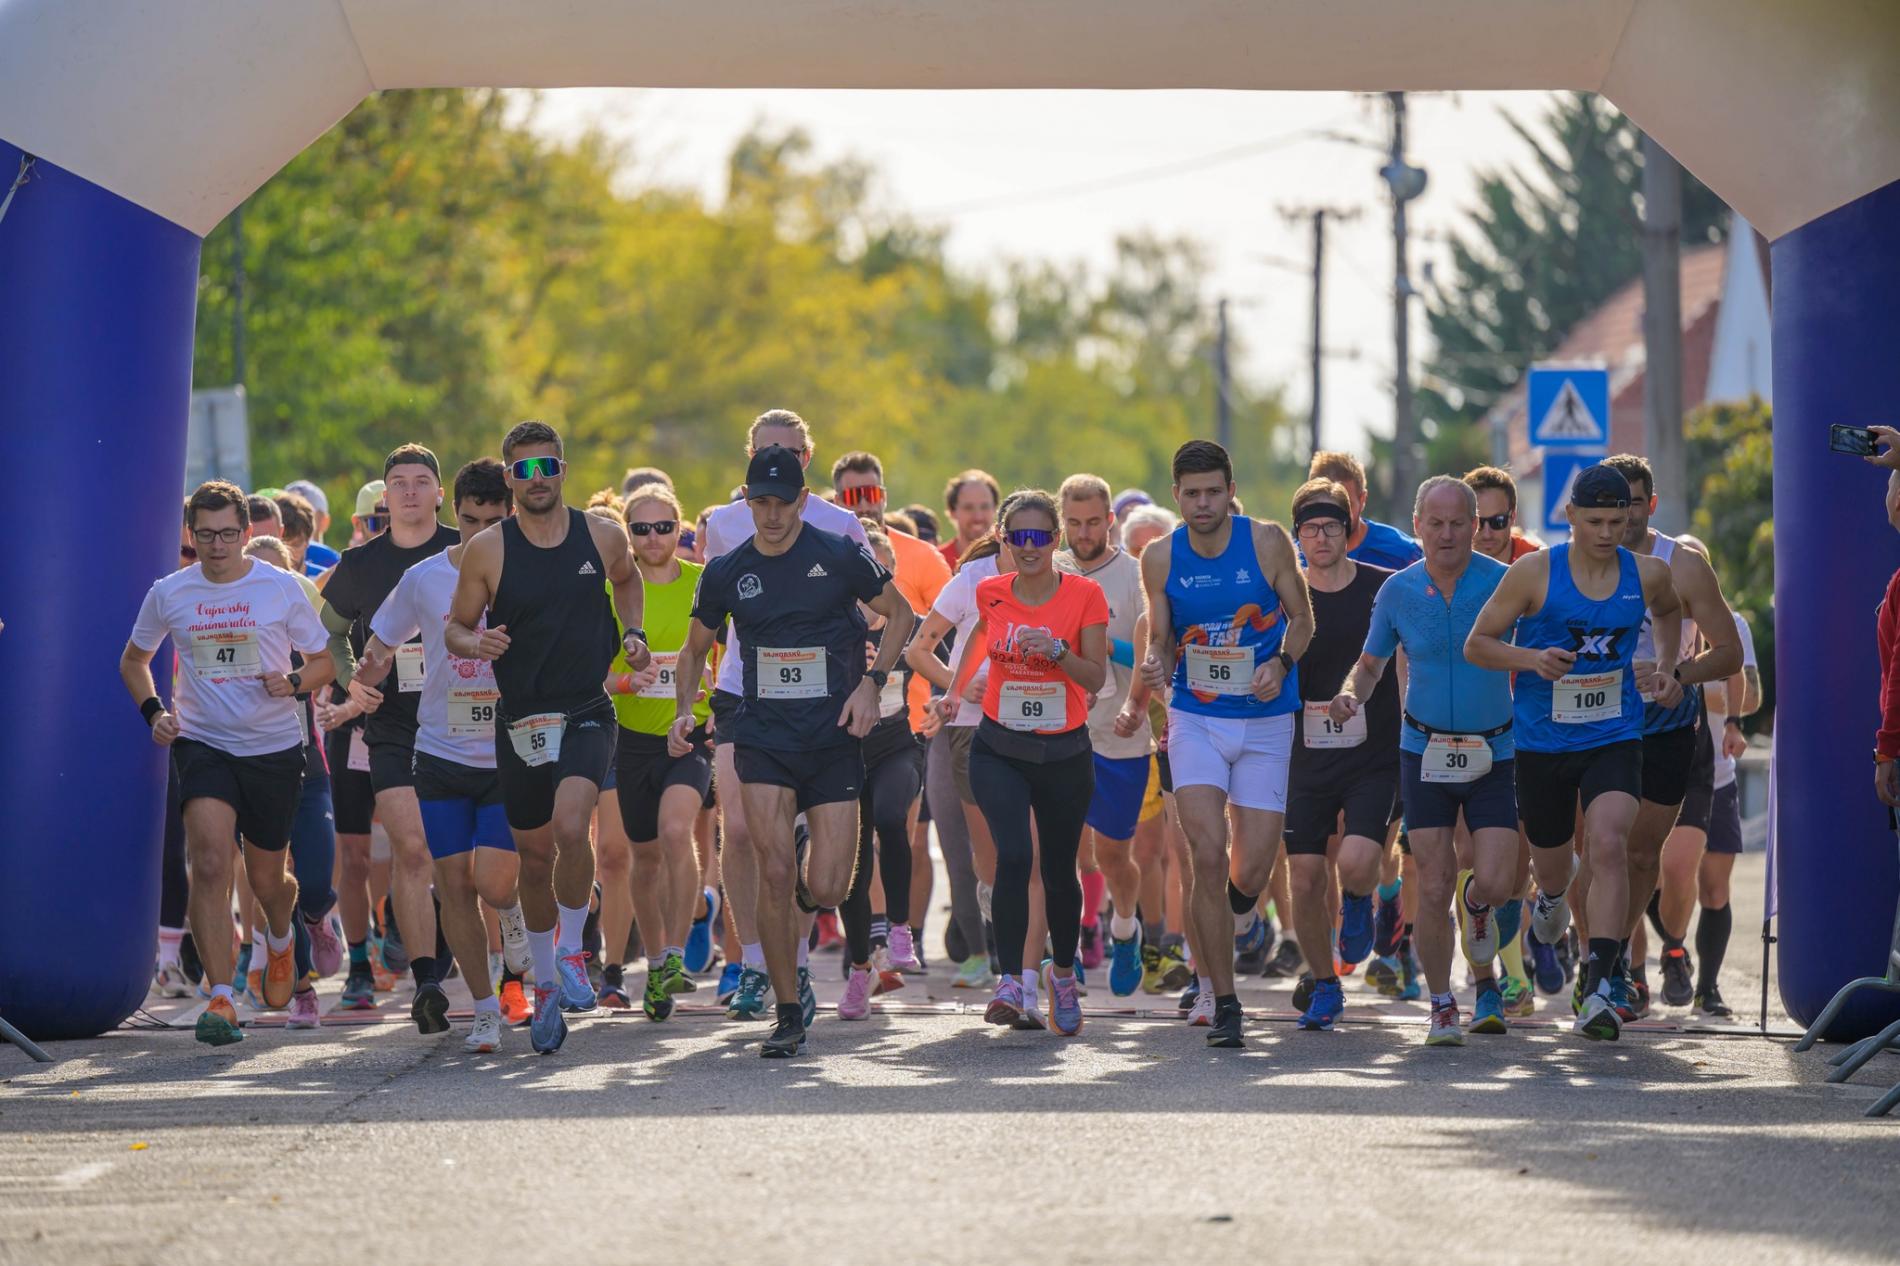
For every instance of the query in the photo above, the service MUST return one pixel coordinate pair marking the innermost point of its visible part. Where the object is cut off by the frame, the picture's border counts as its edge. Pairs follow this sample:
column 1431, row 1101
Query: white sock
column 169, row 942
column 277, row 944
column 223, row 991
column 258, row 946
column 1122, row 928
column 1207, row 985
column 572, row 924
column 490, row 1004
column 1032, row 986
column 751, row 955
column 804, row 951
column 545, row 960
column 674, row 950
column 984, row 892
column 655, row 962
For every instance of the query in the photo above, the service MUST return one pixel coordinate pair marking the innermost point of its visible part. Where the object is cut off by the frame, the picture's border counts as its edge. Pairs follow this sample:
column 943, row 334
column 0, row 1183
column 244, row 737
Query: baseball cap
column 1600, row 487
column 311, row 493
column 775, row 471
column 1129, row 499
column 369, row 496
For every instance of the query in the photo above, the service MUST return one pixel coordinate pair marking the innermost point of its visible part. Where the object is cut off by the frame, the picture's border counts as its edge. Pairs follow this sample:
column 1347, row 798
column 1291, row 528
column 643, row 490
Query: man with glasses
column 235, row 740
column 372, row 514
column 530, row 598
column 727, row 528
column 364, row 577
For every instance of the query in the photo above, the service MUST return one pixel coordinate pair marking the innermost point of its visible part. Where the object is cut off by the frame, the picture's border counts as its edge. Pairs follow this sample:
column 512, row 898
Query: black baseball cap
column 1600, row 487
column 775, row 471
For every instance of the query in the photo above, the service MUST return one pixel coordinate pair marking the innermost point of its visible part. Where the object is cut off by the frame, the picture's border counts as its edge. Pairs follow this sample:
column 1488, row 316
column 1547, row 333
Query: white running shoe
column 484, row 1038
column 1201, row 1014
column 169, row 981
column 1550, row 918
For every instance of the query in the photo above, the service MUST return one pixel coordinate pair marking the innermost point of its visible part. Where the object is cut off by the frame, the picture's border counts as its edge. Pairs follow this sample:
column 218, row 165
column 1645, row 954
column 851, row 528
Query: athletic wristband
column 150, row 710
column 1121, row 652
column 1286, row 662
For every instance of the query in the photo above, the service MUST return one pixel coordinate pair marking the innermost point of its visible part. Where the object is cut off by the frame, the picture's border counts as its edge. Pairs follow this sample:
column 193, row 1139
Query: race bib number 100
column 1220, row 670
column 1582, row 698
column 795, row 673
column 1033, row 705
column 226, row 653
column 537, row 738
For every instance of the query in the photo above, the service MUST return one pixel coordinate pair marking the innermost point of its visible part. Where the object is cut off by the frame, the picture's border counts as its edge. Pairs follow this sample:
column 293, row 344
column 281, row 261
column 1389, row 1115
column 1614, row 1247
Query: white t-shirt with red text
column 455, row 714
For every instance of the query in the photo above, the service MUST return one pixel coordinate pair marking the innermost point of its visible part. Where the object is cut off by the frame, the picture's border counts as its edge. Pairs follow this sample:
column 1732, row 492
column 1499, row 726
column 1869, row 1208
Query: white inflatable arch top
column 1787, row 108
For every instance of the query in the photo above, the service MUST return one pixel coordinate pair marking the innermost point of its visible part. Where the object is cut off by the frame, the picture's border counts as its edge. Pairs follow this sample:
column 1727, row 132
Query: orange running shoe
column 515, row 1007
column 280, row 977
column 385, row 980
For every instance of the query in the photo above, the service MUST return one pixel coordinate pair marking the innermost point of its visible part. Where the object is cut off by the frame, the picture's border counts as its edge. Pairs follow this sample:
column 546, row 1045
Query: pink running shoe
column 856, row 1003
column 903, row 949
column 1066, row 1006
column 303, row 1011
column 326, row 944
column 1006, row 1008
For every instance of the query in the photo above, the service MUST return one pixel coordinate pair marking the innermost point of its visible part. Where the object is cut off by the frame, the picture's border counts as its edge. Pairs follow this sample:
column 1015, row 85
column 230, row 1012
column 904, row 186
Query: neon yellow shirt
column 669, row 610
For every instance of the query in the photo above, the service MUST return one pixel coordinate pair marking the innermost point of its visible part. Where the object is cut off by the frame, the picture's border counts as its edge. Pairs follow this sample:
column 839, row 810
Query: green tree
column 1731, row 465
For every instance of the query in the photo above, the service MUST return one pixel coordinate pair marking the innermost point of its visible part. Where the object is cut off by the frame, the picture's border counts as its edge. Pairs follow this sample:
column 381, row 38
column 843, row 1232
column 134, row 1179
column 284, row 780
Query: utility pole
column 1223, row 411
column 1662, row 335
column 1319, row 216
column 1406, row 183
column 237, row 295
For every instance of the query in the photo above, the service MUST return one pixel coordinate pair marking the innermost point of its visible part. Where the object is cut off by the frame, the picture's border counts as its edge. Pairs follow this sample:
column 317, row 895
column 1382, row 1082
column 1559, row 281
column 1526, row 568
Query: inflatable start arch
column 138, row 124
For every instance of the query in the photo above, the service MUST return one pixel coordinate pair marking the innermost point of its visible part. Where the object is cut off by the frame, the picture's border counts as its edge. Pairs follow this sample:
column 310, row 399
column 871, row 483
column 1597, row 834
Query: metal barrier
column 1853, row 1058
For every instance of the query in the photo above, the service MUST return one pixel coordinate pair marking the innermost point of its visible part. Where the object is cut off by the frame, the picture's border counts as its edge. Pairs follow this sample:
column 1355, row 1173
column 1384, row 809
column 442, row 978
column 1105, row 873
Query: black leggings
column 892, row 780
column 174, row 888
column 1058, row 793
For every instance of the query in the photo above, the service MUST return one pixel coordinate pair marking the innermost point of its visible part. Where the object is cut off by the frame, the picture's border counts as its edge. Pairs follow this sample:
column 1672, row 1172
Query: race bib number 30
column 537, row 739
column 1321, row 732
column 1582, row 698
column 1033, row 705
column 662, row 686
column 1220, row 670
column 797, row 673
column 409, row 668
column 472, row 711
column 226, row 653
column 1455, row 758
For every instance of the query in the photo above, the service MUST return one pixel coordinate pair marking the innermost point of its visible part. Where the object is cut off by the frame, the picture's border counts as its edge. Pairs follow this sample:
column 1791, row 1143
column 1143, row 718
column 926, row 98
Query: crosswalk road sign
column 1568, row 406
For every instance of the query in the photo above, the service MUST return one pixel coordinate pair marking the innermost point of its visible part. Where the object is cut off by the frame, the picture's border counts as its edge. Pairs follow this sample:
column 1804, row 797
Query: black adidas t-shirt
column 1340, row 623
column 364, row 577
column 802, row 634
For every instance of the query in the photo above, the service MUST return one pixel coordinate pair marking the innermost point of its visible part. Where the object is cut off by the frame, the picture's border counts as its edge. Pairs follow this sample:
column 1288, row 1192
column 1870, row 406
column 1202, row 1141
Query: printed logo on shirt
column 749, row 587
column 1595, row 643
column 587, row 569
column 817, row 570
column 1243, row 577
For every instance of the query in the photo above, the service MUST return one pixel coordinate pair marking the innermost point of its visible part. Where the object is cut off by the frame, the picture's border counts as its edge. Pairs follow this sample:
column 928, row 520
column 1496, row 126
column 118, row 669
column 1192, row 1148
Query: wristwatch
column 1062, row 653
column 1286, row 662
column 639, row 633
column 878, row 677
column 296, row 682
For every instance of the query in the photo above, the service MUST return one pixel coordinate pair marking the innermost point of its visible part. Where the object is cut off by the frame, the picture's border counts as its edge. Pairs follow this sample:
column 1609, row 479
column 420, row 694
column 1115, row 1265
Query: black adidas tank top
column 559, row 618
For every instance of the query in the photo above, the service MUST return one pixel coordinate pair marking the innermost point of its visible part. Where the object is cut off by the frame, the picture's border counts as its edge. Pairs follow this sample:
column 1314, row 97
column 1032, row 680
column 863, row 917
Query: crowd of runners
column 1158, row 748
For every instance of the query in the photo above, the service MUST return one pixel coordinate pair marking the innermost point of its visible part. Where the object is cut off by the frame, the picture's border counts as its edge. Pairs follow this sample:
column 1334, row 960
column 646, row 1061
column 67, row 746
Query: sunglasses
column 1030, row 538
column 1496, row 522
column 230, row 536
column 1331, row 529
column 663, row 526
column 854, row 498
column 373, row 523
column 537, row 467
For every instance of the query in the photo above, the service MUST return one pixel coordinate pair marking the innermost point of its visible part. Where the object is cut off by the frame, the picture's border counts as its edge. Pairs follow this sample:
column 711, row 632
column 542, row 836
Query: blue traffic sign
column 1568, row 406
column 1560, row 472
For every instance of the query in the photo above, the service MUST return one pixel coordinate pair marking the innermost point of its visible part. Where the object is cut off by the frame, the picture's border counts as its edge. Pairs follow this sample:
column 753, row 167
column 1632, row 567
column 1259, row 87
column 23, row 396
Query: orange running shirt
column 1023, row 689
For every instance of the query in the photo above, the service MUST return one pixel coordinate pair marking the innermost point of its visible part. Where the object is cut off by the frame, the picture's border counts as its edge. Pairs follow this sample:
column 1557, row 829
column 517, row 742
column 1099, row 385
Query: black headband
column 1317, row 509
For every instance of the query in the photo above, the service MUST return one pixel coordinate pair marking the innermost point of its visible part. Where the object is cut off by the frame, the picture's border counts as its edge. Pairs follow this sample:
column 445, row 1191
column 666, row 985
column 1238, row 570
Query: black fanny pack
column 1030, row 748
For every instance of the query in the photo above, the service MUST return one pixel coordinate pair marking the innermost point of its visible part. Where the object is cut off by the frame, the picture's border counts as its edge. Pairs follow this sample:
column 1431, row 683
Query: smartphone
column 1855, row 441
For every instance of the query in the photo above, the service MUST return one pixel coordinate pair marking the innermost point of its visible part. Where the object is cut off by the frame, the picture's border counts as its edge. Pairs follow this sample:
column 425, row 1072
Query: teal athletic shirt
column 1446, row 691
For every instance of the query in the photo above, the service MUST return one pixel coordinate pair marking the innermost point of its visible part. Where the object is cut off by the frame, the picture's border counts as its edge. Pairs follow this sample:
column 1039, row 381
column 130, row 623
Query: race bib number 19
column 537, row 739
column 226, row 653
column 1033, row 705
column 796, row 673
column 1582, row 698
column 1320, row 731
column 1220, row 670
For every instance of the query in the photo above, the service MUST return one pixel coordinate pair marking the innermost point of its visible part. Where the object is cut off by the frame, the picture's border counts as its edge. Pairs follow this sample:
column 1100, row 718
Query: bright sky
column 1058, row 175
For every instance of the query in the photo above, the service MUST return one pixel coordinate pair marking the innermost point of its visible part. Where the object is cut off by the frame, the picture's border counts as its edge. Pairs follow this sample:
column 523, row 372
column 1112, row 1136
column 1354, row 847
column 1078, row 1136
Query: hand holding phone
column 1887, row 441
column 1855, row 441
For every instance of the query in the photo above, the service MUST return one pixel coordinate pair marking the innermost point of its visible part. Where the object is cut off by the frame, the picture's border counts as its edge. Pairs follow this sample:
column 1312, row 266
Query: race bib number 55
column 537, row 738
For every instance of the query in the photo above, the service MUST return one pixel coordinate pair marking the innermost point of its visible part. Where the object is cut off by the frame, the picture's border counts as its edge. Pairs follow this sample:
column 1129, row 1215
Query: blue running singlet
column 1656, row 718
column 1596, row 703
column 1228, row 620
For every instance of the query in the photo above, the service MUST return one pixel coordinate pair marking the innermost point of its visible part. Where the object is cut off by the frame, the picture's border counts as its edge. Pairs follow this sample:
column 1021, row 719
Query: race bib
column 662, row 686
column 1321, row 732
column 1033, row 705
column 221, row 653
column 1220, row 670
column 890, row 700
column 797, row 673
column 537, row 739
column 359, row 752
column 1582, row 698
column 409, row 668
column 1455, row 758
column 472, row 711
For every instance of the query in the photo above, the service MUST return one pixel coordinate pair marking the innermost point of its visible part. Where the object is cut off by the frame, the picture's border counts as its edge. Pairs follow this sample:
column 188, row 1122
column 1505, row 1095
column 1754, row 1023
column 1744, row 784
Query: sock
column 792, row 1013
column 570, row 928
column 750, row 955
column 1206, row 984
column 1390, row 892
column 672, row 951
column 1711, row 944
column 258, row 947
column 1604, row 953
column 1155, row 934
column 223, row 991
column 169, row 942
column 542, row 955
column 1470, row 906
column 1226, row 1001
column 1442, row 1000
column 1122, row 928
column 277, row 944
column 1094, row 888
column 984, row 893
column 1238, row 901
column 804, row 953
column 880, row 930
column 509, row 974
column 1488, row 984
column 491, row 1004
column 423, row 970
column 1511, row 954
column 1032, row 985
column 359, row 956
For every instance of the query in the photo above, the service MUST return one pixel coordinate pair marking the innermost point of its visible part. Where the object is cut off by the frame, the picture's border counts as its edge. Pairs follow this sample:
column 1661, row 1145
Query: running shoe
column 1065, row 1006
column 1287, row 960
column 280, row 976
column 830, row 934
column 1253, row 962
column 1678, row 974
column 1445, row 1030
column 1576, row 995
column 1006, row 1004
column 1355, row 928
column 1510, row 918
column 1151, row 970
column 807, row 1000
column 786, row 1040
column 1546, row 969
column 383, row 980
column 430, row 1009
column 1622, row 994
column 1549, row 918
column 728, row 983
column 1031, row 1019
column 1252, row 937
column 1488, row 1015
column 326, row 944
column 674, row 976
column 484, row 1036
column 1388, row 926
column 1520, row 999
column 303, row 1011
column 886, row 978
column 973, row 973
column 1225, row 1025
column 1201, row 1012
column 1639, row 998
column 218, row 1024
column 1598, row 1019
column 1709, row 1005
column 616, row 998
column 253, row 994
column 577, row 990
column 1124, row 965
column 359, row 992
column 1303, row 991
column 699, row 940
column 243, row 961
column 1322, row 1011
column 1088, row 949
column 1411, row 976
column 903, row 949
column 655, row 1002
column 515, row 1008
column 169, row 981
column 1175, row 972
column 1382, row 975
column 395, row 954
column 549, row 1027
column 856, row 1002
column 1189, row 996
column 1477, row 929
column 749, row 1002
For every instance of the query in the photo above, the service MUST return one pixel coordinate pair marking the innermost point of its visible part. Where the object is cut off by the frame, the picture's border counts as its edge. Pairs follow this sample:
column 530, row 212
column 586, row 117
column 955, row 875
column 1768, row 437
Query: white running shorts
column 1246, row 757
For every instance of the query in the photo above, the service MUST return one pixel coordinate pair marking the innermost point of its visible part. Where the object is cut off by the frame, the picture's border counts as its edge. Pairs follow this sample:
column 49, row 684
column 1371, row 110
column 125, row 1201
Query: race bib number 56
column 1220, row 670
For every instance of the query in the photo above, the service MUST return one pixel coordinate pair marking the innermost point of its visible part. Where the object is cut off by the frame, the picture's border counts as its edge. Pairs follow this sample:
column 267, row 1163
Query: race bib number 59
column 472, row 711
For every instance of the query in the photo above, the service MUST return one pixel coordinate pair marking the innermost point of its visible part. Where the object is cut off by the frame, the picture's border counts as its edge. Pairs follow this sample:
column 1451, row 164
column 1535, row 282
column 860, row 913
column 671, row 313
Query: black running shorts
column 587, row 751
column 263, row 789
column 1550, row 784
column 825, row 776
column 644, row 770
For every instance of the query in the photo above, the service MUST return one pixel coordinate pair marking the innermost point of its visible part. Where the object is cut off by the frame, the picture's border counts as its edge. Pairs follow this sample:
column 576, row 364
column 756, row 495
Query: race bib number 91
column 1220, row 670
column 1582, row 698
column 661, row 686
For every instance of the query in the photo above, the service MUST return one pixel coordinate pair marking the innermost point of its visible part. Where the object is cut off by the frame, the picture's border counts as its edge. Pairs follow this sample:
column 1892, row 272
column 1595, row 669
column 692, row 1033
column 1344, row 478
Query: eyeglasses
column 1496, row 522
column 1030, row 538
column 868, row 495
column 229, row 536
column 663, row 526
column 537, row 467
column 1331, row 529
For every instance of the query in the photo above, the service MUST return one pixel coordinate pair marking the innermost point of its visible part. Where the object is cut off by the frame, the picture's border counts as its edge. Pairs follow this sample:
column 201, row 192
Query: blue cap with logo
column 1600, row 487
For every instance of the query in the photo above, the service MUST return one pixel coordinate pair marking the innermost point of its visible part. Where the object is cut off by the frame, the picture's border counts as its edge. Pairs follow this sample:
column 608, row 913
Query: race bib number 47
column 226, row 653
column 1582, row 698
column 796, row 673
column 1220, row 670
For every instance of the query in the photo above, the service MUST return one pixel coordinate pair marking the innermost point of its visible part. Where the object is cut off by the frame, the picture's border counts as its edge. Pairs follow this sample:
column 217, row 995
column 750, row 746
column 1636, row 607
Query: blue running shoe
column 577, row 991
column 1488, row 1015
column 1327, row 1002
column 549, row 1027
column 699, row 941
column 1355, row 928
column 728, row 984
column 1510, row 917
column 807, row 1000
column 749, row 1002
column 1622, row 994
column 1388, row 924
column 1413, row 976
column 1546, row 967
column 1254, row 938
column 1124, row 965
